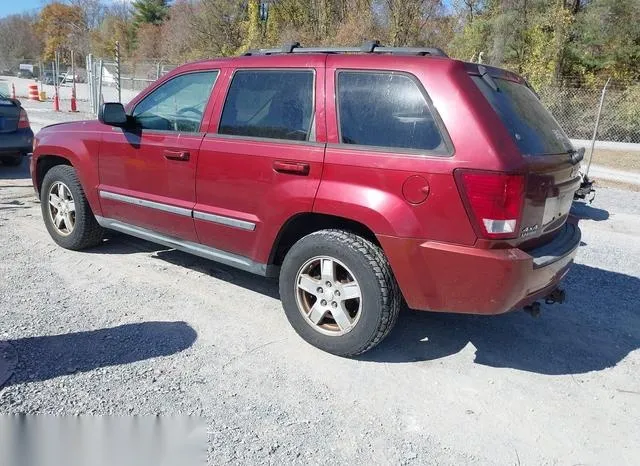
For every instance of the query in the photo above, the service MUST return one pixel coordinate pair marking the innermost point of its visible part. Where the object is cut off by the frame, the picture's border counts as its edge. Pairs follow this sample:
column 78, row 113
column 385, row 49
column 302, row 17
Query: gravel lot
column 134, row 328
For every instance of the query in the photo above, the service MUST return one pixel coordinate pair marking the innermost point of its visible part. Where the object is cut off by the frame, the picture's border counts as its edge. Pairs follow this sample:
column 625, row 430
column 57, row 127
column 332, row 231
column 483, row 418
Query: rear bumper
column 451, row 278
column 18, row 142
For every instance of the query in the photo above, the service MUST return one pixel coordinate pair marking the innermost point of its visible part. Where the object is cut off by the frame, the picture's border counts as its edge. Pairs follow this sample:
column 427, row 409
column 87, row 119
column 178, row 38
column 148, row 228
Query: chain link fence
column 134, row 76
column 574, row 106
column 112, row 81
column 576, row 109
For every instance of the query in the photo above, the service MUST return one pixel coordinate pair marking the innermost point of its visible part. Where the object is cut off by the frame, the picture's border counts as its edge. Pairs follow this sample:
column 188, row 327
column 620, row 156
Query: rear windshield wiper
column 486, row 77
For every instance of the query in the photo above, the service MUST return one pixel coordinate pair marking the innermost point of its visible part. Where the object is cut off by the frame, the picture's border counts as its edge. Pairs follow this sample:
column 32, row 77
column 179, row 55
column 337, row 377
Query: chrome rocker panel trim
column 234, row 260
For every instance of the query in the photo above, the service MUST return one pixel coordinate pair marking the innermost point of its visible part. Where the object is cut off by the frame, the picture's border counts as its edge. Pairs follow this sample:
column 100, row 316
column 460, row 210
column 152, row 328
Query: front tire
column 338, row 292
column 66, row 211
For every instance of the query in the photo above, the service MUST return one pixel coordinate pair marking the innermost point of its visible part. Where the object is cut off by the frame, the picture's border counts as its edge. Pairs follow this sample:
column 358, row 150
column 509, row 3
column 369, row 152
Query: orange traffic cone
column 74, row 107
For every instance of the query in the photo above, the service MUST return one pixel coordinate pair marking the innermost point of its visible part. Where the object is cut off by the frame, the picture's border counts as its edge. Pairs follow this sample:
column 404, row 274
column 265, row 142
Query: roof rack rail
column 371, row 46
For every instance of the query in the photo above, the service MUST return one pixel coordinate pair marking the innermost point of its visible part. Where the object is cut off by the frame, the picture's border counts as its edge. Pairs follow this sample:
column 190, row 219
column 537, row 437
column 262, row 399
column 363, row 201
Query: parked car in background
column 16, row 137
column 79, row 77
column 26, row 74
column 48, row 77
column 361, row 177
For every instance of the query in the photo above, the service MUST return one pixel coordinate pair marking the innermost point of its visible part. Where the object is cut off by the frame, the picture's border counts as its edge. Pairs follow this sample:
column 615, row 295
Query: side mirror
column 112, row 113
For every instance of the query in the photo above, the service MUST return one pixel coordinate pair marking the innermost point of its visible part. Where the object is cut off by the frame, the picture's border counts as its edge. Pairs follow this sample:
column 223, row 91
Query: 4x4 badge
column 526, row 231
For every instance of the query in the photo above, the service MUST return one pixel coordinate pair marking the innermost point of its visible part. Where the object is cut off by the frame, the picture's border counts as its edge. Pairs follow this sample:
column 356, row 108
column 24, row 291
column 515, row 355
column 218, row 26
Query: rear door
column 147, row 170
column 388, row 150
column 552, row 163
column 261, row 161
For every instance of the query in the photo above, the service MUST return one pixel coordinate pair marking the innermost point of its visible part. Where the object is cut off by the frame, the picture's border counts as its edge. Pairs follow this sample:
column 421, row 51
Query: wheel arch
column 86, row 168
column 303, row 224
column 45, row 163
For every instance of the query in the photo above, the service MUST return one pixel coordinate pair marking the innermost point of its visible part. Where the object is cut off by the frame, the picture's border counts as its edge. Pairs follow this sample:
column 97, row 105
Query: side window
column 269, row 104
column 177, row 105
column 386, row 109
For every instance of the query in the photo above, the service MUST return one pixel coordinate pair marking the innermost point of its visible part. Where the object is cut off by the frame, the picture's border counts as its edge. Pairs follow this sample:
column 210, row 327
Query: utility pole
column 118, row 84
column 263, row 16
column 74, row 107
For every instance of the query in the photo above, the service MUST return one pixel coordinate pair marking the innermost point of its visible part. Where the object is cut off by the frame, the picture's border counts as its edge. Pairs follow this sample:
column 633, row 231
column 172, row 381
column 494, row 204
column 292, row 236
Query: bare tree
column 216, row 26
column 408, row 19
column 18, row 40
column 94, row 11
column 177, row 35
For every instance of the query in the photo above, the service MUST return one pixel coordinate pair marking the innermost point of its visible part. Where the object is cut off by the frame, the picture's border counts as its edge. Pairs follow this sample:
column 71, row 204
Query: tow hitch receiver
column 533, row 309
column 556, row 296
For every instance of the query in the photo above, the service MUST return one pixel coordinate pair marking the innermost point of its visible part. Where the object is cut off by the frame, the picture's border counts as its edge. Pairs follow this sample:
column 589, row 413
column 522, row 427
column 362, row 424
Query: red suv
column 362, row 177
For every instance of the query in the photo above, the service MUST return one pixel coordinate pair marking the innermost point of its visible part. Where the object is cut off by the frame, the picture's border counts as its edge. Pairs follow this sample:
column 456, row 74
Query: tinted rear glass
column 386, row 109
column 531, row 125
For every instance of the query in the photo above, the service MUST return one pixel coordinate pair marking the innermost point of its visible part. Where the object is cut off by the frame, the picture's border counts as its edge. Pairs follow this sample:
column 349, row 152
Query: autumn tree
column 606, row 40
column 148, row 43
column 62, row 29
column 408, row 20
column 113, row 28
column 545, row 40
column 178, row 44
column 94, row 12
column 358, row 24
column 216, row 27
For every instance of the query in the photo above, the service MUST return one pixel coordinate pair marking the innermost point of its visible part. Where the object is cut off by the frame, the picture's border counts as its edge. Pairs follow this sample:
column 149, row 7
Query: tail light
column 494, row 201
column 23, row 122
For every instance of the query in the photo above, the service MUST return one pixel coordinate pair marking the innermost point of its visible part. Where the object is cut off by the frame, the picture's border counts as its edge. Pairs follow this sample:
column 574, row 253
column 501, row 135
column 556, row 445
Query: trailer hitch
column 556, row 296
column 586, row 192
column 533, row 309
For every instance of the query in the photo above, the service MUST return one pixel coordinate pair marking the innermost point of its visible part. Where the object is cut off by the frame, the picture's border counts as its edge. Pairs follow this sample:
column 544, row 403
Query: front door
column 147, row 170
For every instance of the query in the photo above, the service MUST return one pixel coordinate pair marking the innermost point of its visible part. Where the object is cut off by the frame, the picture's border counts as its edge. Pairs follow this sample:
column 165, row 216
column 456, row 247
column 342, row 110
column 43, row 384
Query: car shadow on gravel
column 43, row 358
column 120, row 243
column 585, row 211
column 15, row 173
column 262, row 285
column 596, row 328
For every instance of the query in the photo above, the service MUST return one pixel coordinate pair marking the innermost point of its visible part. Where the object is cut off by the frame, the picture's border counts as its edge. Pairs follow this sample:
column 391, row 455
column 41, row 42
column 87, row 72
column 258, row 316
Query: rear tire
column 66, row 211
column 326, row 312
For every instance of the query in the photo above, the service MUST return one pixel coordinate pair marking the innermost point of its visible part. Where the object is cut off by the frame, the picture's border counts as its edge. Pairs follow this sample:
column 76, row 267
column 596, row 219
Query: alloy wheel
column 62, row 209
column 328, row 295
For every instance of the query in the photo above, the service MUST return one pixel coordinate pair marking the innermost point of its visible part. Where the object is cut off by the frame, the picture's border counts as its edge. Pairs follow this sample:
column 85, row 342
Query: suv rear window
column 386, row 109
column 531, row 125
column 269, row 104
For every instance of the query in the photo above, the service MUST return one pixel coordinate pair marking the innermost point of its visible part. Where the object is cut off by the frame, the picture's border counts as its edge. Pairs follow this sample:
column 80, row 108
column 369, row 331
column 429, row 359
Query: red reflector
column 494, row 202
column 23, row 122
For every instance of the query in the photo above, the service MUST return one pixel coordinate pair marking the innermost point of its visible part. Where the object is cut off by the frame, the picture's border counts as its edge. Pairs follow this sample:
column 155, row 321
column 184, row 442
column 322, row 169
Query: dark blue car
column 16, row 137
